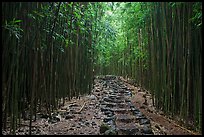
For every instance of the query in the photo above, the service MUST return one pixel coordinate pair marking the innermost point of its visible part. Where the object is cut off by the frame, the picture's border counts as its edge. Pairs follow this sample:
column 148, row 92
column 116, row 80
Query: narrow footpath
column 114, row 107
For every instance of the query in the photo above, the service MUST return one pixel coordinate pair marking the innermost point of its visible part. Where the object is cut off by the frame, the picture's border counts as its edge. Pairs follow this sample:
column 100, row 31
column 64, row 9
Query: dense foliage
column 159, row 45
column 47, row 56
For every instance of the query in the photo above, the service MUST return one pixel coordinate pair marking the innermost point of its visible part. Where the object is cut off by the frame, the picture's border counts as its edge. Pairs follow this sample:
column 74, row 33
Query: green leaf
column 66, row 42
column 16, row 21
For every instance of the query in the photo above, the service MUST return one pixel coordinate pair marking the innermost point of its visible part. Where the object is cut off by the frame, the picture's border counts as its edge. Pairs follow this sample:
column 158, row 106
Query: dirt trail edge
column 114, row 107
column 161, row 125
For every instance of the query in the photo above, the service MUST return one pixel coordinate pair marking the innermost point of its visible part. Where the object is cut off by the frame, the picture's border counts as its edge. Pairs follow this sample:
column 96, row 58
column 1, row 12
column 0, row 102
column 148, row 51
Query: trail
column 114, row 107
column 122, row 117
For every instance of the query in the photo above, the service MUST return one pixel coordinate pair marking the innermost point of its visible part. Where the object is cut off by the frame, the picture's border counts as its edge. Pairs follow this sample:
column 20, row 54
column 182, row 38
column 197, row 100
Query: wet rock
column 138, row 114
column 97, row 90
column 20, row 130
column 57, row 118
column 106, row 109
column 144, row 121
column 111, row 105
column 117, row 101
column 149, row 110
column 107, row 99
column 127, row 100
column 125, row 118
column 86, row 123
column 134, row 109
column 111, row 123
column 103, row 128
column 128, row 93
column 98, row 117
column 37, row 131
column 110, row 132
column 93, row 123
column 121, row 110
column 82, row 124
column 92, row 97
column 106, row 119
column 122, row 105
column 71, row 128
column 108, row 112
column 112, row 96
column 115, row 90
column 128, row 131
column 147, row 130
column 157, row 126
column 73, row 125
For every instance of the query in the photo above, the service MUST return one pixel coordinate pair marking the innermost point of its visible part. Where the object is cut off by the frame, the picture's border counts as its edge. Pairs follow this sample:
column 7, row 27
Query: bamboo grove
column 159, row 45
column 52, row 50
column 46, row 57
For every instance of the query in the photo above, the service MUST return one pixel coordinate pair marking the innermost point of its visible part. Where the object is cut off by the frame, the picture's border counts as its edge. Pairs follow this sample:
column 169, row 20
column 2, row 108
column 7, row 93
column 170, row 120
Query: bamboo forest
column 101, row 68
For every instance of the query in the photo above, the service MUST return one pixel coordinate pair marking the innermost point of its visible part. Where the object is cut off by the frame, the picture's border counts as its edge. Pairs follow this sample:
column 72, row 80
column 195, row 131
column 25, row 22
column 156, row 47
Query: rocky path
column 121, row 116
column 114, row 107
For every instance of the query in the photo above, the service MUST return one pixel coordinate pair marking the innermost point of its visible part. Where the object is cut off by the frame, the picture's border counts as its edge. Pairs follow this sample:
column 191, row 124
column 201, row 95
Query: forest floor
column 85, row 116
column 161, row 124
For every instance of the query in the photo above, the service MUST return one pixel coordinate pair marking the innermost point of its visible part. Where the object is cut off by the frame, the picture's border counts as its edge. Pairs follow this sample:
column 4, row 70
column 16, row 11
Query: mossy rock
column 104, row 128
column 110, row 132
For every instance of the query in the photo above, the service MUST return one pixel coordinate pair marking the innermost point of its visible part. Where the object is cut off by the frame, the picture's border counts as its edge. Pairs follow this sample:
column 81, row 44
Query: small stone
column 73, row 125
column 93, row 123
column 138, row 114
column 110, row 105
column 20, row 130
column 106, row 119
column 157, row 126
column 97, row 117
column 106, row 109
column 151, row 111
column 107, row 99
column 127, row 100
column 71, row 128
column 57, row 118
column 147, row 130
column 144, row 121
column 110, row 132
column 107, row 112
column 87, row 123
column 129, row 131
column 92, row 97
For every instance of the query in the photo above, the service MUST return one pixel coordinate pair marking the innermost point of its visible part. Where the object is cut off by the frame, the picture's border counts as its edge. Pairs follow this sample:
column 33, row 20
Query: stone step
column 121, row 110
column 126, row 129
column 127, row 118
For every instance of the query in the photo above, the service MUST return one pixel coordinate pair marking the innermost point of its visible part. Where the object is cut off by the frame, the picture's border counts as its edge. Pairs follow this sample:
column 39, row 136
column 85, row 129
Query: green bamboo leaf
column 66, row 43
column 17, row 21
